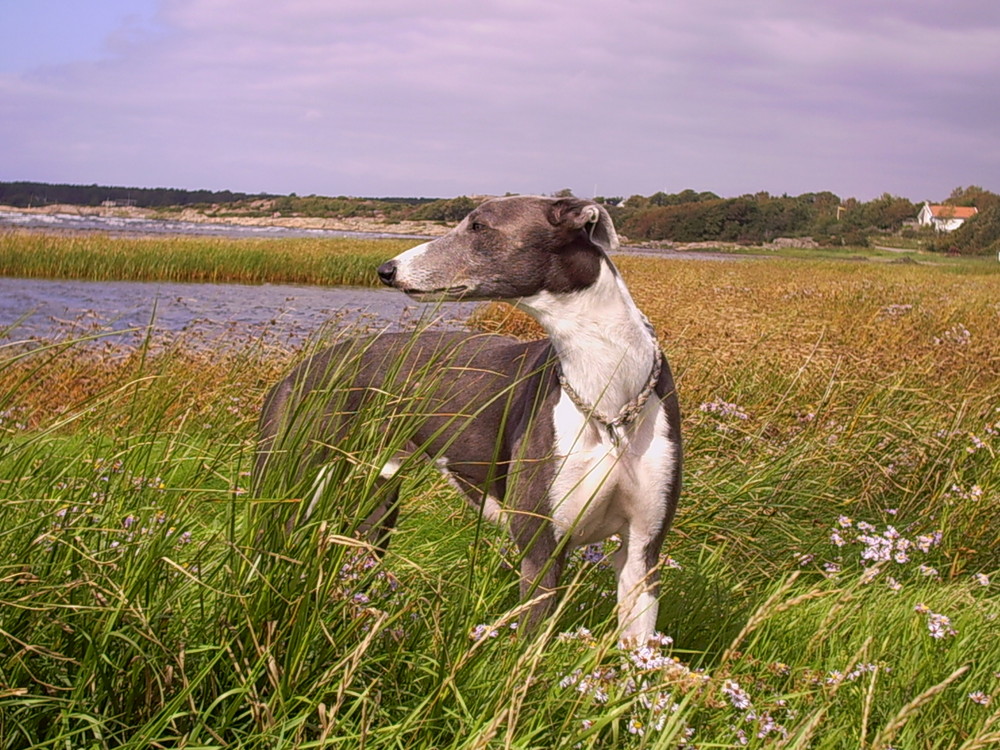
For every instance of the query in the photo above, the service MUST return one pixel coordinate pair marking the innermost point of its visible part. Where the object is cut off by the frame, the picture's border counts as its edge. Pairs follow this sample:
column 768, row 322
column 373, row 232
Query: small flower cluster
column 958, row 334
column 481, row 631
column 740, row 700
column 580, row 634
column 993, row 430
column 669, row 563
column 939, row 625
column 363, row 567
column 105, row 470
column 133, row 528
column 593, row 561
column 835, row 677
column 77, row 519
column 9, row 419
column 598, row 553
column 724, row 409
column 980, row 697
column 594, row 684
column 896, row 310
column 736, row 695
column 366, row 586
column 984, row 442
column 642, row 672
column 645, row 673
column 973, row 495
column 877, row 548
column 976, row 444
column 595, row 555
column 152, row 483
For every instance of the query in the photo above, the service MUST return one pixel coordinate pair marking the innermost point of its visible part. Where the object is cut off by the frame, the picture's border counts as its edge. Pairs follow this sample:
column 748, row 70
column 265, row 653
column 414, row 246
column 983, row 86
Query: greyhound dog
column 567, row 440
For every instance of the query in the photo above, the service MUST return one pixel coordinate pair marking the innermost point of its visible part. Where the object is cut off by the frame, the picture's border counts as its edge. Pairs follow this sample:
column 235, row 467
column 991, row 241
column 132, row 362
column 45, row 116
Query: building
column 944, row 218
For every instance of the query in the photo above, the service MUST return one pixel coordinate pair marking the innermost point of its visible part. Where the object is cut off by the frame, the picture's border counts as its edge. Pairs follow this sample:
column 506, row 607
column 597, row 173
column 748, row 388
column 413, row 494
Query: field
column 831, row 580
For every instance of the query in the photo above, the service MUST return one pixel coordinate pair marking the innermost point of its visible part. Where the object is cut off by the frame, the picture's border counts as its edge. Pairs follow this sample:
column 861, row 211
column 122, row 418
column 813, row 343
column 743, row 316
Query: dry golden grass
column 744, row 321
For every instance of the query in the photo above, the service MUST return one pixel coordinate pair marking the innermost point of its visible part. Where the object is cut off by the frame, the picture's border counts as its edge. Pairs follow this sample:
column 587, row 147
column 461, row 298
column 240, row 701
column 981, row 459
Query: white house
column 944, row 218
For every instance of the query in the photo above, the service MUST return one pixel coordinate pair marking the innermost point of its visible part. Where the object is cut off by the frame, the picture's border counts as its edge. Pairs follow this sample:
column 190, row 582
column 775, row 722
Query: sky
column 482, row 97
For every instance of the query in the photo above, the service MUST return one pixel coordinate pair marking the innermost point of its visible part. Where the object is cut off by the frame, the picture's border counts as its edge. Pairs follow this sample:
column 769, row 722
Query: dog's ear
column 576, row 213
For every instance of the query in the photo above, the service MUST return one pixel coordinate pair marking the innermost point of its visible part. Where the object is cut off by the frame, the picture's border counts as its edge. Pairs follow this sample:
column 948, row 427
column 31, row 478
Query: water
column 77, row 222
column 41, row 308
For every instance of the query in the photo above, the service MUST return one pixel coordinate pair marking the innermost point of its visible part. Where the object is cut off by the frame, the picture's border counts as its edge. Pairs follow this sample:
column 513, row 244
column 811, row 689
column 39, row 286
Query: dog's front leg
column 636, row 564
column 542, row 561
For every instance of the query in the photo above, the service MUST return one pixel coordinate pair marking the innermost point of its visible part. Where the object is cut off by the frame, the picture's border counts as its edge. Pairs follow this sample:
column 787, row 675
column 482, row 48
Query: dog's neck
column 605, row 345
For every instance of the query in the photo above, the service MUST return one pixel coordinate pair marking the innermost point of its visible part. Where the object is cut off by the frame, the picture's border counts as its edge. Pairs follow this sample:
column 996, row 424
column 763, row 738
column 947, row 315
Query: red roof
column 953, row 212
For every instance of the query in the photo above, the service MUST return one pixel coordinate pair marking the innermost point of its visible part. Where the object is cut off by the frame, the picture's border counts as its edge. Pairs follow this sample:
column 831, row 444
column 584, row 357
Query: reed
column 831, row 581
column 104, row 257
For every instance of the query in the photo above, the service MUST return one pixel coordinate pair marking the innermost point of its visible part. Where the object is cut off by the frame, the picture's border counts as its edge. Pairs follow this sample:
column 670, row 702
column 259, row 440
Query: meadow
column 831, row 580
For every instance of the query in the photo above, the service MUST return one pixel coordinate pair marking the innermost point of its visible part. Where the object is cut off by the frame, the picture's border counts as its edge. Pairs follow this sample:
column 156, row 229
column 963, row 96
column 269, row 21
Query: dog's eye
column 477, row 226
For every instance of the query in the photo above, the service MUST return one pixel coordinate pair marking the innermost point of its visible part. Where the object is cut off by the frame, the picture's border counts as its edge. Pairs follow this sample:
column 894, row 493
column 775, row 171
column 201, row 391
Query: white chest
column 599, row 489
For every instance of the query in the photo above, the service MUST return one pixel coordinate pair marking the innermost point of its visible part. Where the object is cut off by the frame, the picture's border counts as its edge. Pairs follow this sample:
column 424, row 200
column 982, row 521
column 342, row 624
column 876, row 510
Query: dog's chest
column 596, row 487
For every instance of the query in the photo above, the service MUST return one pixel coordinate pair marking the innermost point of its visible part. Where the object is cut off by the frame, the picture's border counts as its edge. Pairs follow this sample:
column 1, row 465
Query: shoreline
column 353, row 226
column 191, row 216
column 189, row 221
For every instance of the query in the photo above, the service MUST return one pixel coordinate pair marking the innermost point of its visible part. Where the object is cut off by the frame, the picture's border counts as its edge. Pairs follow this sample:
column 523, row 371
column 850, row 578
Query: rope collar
column 628, row 413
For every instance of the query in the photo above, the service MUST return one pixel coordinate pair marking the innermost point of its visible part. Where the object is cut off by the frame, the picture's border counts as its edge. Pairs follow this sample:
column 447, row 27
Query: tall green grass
column 147, row 599
column 105, row 257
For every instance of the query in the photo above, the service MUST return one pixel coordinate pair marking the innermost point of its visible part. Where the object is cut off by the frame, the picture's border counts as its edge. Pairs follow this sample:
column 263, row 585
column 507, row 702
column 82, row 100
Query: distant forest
column 28, row 194
column 687, row 216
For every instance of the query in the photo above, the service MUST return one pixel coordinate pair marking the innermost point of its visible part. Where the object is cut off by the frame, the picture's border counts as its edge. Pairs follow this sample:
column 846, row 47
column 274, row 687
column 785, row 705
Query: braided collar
column 628, row 413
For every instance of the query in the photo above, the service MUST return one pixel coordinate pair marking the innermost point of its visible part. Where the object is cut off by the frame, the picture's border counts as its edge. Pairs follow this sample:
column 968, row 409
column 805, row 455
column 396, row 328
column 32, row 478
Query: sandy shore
column 351, row 224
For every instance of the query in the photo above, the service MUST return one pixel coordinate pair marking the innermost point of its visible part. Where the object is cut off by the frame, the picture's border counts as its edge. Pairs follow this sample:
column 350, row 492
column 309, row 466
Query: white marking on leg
column 637, row 606
column 491, row 509
column 319, row 487
column 391, row 468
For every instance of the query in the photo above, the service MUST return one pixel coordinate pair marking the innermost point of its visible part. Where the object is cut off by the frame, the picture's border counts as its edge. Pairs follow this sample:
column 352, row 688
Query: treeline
column 689, row 216
column 28, row 194
column 761, row 217
column 387, row 209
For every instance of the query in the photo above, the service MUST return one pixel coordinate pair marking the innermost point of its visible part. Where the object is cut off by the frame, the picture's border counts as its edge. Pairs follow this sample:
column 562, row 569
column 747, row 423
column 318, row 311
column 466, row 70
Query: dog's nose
column 387, row 272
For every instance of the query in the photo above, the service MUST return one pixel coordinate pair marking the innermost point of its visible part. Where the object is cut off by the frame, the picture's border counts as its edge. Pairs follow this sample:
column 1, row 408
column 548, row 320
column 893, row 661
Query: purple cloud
column 389, row 97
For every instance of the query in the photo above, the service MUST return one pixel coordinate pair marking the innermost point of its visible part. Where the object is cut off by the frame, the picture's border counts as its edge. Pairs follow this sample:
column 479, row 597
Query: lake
column 42, row 308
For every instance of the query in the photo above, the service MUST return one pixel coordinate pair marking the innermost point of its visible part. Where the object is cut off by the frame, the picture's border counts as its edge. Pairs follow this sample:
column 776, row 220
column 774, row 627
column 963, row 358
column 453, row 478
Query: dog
column 566, row 440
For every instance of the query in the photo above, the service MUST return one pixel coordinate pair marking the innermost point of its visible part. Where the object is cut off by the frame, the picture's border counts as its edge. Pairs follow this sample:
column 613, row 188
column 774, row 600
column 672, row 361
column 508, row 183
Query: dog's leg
column 378, row 526
column 542, row 561
column 636, row 564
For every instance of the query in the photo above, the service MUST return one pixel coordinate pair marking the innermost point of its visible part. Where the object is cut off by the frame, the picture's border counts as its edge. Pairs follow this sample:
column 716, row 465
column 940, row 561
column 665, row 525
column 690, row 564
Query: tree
column 974, row 196
column 979, row 235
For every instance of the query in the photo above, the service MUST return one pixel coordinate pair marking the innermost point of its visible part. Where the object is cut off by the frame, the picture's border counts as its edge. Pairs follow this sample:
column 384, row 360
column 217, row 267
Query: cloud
column 394, row 97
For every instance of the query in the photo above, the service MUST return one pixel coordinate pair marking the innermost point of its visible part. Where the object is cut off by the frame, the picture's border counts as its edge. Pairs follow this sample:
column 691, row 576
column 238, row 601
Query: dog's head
column 509, row 248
